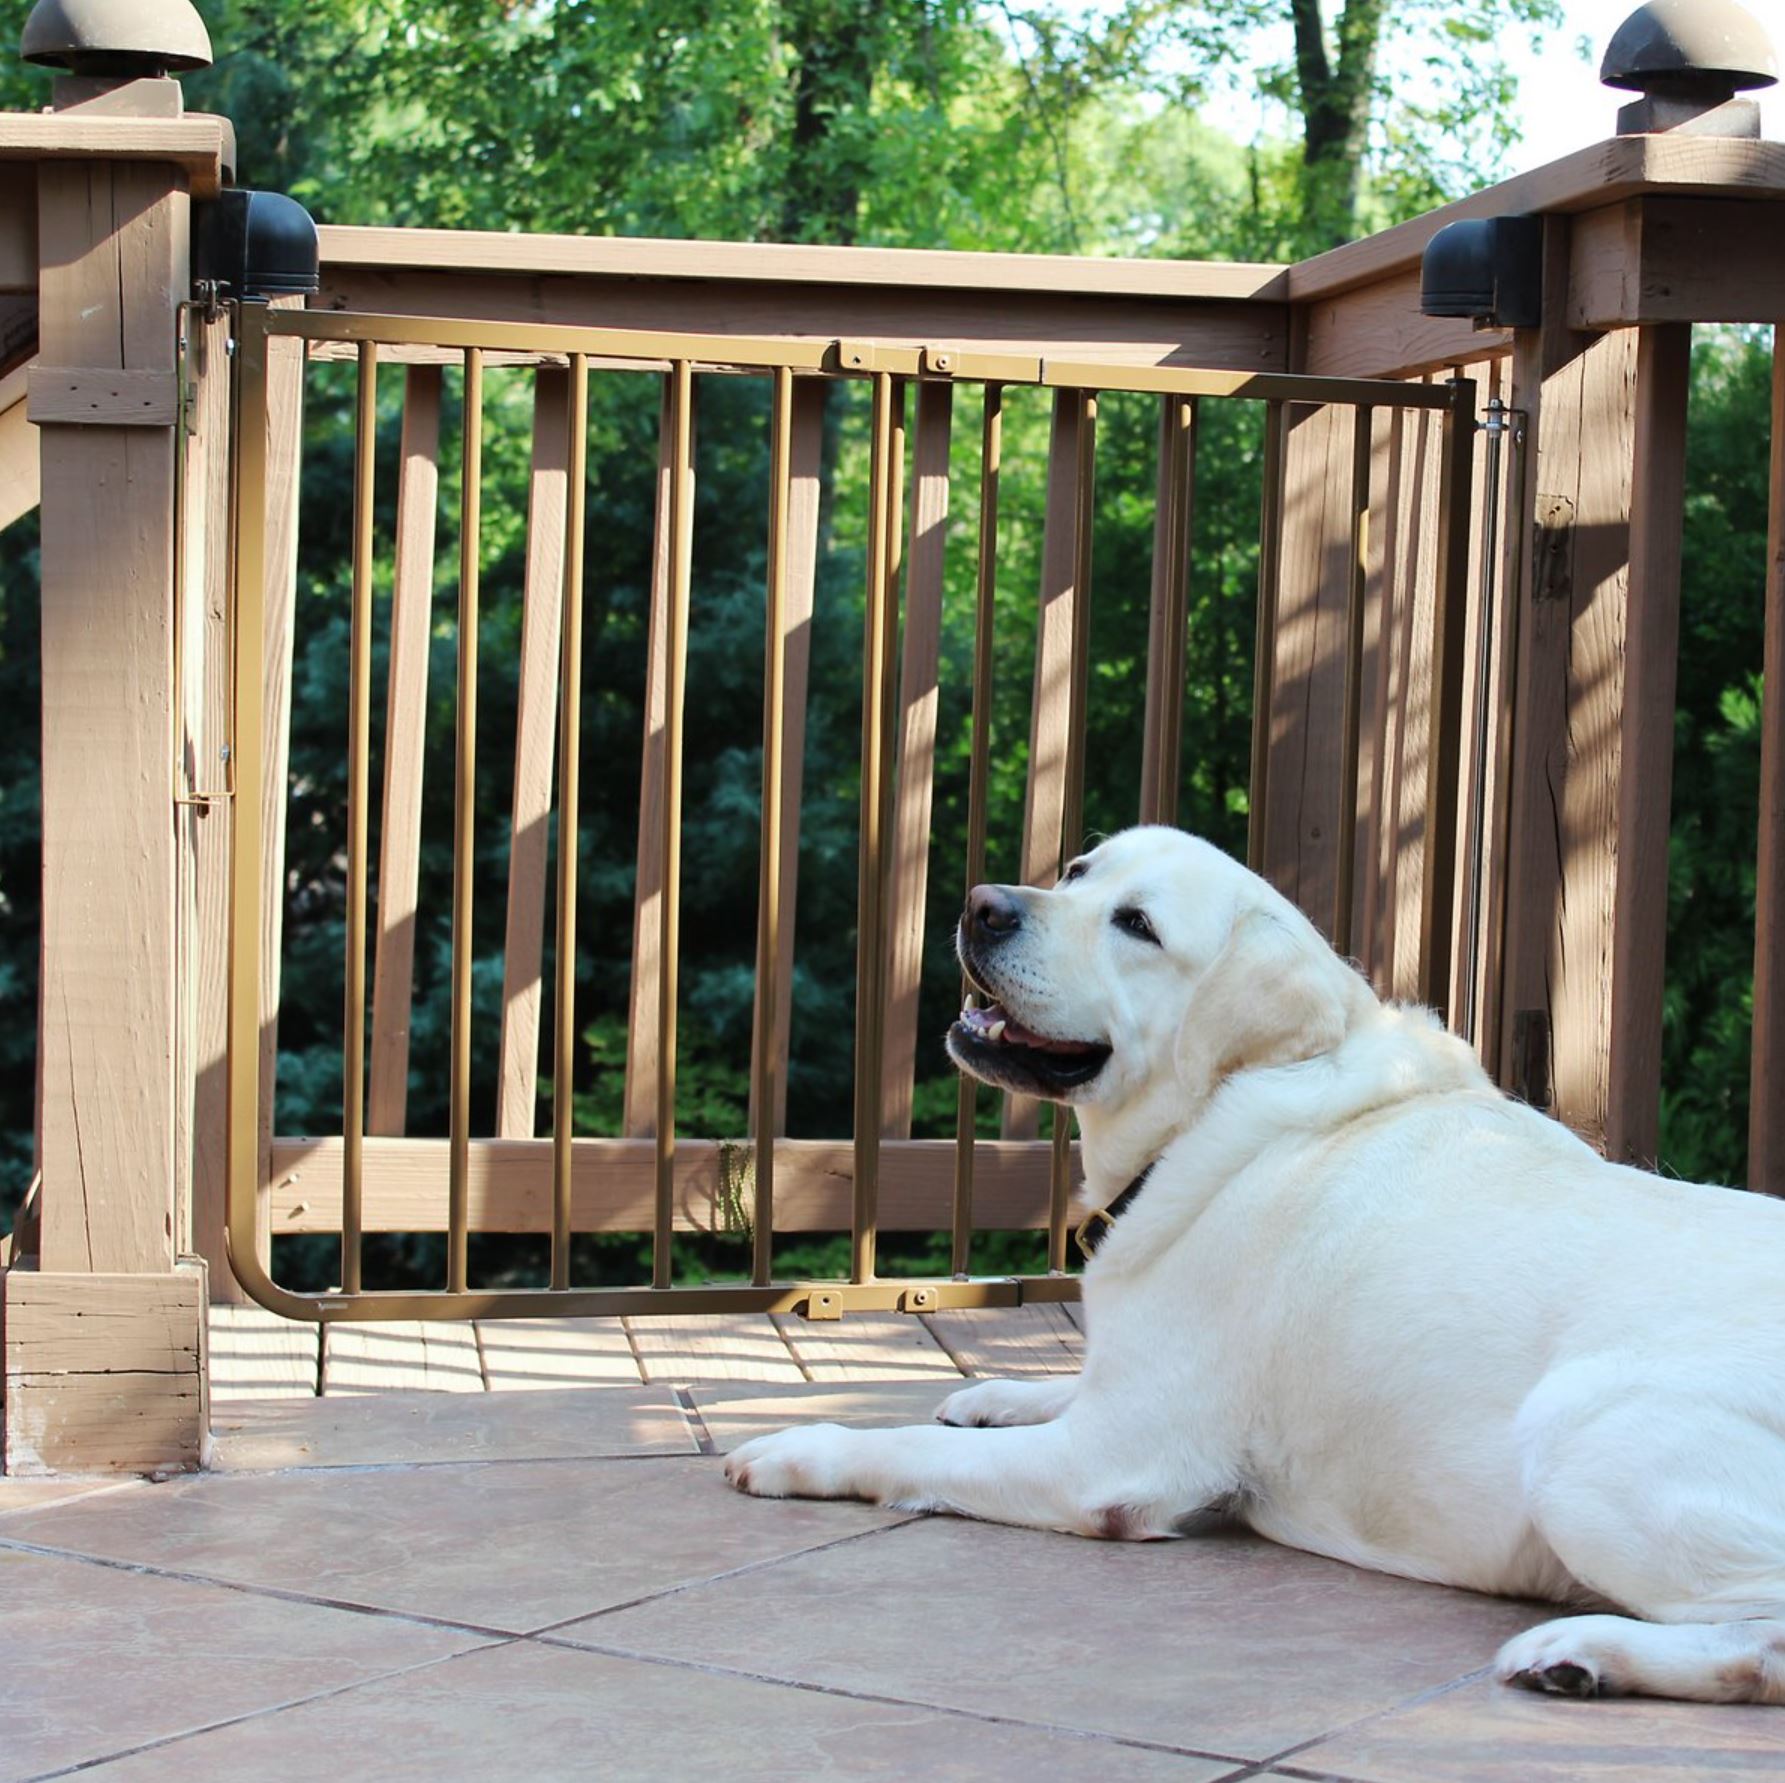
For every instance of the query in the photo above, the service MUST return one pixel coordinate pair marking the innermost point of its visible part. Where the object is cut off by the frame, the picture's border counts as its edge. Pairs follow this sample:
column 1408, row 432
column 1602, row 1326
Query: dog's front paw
column 984, row 1403
column 810, row 1461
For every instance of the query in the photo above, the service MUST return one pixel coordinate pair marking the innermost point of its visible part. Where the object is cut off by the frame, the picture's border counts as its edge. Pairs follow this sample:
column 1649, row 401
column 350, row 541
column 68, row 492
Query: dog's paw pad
column 1560, row 1678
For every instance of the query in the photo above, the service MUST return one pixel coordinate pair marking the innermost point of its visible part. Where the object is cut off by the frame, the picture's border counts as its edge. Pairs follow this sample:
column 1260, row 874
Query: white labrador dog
column 1362, row 1301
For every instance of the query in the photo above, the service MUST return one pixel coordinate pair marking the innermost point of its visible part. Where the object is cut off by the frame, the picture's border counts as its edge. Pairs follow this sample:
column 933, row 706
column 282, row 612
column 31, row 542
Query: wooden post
column 1598, row 600
column 104, row 1338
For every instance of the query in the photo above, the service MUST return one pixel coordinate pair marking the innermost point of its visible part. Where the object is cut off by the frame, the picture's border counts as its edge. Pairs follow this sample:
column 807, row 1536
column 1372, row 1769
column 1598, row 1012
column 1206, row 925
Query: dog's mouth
column 994, row 1046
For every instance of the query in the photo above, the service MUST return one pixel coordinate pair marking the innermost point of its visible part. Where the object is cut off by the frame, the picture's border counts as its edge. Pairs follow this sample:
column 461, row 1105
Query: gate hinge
column 822, row 1303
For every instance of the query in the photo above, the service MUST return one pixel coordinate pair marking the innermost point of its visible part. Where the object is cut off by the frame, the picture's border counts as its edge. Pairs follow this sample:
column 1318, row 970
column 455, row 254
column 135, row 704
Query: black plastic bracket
column 249, row 245
column 1489, row 269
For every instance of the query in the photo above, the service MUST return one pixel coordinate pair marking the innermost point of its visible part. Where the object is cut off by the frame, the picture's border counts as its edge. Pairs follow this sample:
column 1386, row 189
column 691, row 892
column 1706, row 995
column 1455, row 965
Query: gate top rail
column 653, row 350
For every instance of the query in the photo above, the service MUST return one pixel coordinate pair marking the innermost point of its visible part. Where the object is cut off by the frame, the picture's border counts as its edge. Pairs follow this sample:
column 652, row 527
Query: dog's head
column 1156, row 961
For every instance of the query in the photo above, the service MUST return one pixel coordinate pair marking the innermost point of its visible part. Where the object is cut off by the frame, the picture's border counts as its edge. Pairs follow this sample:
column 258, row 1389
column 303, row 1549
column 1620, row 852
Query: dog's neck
column 1117, row 1144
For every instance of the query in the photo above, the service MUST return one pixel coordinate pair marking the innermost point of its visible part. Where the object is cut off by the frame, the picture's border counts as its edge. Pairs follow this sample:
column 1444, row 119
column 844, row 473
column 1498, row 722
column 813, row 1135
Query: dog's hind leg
column 1009, row 1402
column 1672, row 1507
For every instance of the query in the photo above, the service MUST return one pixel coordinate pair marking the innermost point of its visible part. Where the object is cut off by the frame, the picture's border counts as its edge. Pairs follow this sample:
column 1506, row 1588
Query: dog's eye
column 1134, row 922
column 1077, row 870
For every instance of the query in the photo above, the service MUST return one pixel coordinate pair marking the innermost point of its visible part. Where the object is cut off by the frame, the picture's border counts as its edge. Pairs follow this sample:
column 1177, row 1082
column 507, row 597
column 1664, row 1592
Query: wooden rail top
column 1622, row 167
column 635, row 257
column 203, row 145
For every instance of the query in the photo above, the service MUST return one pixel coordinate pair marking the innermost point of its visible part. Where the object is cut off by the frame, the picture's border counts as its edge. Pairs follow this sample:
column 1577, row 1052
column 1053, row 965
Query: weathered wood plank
column 535, row 735
column 256, row 1354
column 697, row 1348
column 640, row 1113
column 866, row 1347
column 510, row 1185
column 1647, row 656
column 114, row 243
column 1013, row 1343
column 1044, row 793
column 1302, row 813
column 809, row 399
column 405, row 752
column 1561, row 888
column 523, row 1355
column 1655, row 260
column 1377, row 331
column 918, row 694
column 104, row 1372
column 438, row 1356
column 20, row 481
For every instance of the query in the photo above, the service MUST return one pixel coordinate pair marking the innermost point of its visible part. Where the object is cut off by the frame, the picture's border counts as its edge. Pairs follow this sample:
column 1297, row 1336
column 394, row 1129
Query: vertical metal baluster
column 464, row 840
column 570, row 698
column 979, row 774
column 1073, row 821
column 681, row 522
column 1264, row 667
column 1349, row 733
column 870, row 941
column 359, row 756
column 768, row 897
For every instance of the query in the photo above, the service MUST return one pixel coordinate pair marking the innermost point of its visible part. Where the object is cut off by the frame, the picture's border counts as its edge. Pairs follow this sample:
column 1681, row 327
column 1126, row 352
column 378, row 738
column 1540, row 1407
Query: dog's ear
column 1269, row 998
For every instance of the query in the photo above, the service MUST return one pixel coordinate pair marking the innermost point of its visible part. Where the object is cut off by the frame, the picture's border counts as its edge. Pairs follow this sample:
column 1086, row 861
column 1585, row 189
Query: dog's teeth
column 995, row 1031
column 971, row 1004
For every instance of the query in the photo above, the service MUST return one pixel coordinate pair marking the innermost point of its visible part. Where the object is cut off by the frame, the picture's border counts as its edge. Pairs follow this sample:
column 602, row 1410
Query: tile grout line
column 712, row 1668
column 268, row 1709
column 697, row 1424
column 280, row 1593
column 737, row 1572
column 1418, row 1700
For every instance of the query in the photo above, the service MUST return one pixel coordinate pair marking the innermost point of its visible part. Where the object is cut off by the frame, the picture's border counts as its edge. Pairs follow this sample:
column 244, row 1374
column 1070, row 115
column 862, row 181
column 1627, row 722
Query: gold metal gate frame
column 680, row 355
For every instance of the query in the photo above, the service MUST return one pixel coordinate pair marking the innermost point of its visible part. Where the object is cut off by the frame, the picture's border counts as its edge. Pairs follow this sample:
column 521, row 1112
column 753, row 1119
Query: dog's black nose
column 993, row 914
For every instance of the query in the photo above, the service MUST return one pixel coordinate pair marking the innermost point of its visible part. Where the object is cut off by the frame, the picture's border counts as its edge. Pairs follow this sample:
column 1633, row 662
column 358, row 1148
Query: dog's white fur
column 1370, row 1306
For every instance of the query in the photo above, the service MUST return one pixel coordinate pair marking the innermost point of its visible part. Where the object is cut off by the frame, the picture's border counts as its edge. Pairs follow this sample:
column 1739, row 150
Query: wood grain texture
column 510, row 1185
column 644, row 257
column 256, row 1354
column 867, row 1347
column 517, row 1091
column 1654, row 260
column 405, row 752
column 1572, row 619
column 21, row 482
column 201, row 147
column 640, row 1114
column 1010, row 1343
column 1044, row 792
column 1647, row 656
column 537, row 1355
column 104, row 1372
column 1601, row 174
column 806, row 467
column 1377, row 331
column 1766, row 1096
column 694, row 1348
column 1302, row 813
column 103, row 396
column 426, row 1355
column 115, row 265
column 1234, row 335
column 919, row 691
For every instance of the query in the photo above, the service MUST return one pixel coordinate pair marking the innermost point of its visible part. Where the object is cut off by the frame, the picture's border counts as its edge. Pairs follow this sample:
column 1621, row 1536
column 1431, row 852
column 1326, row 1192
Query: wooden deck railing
column 1557, row 714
